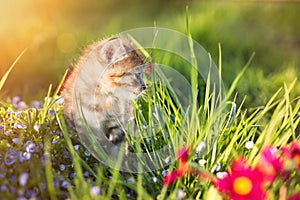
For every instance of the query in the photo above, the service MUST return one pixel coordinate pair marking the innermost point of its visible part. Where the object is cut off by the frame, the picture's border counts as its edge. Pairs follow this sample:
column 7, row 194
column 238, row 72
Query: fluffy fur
column 100, row 90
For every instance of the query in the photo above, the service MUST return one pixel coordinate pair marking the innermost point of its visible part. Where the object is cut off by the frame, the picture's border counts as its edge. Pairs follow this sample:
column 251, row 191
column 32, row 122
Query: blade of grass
column 5, row 76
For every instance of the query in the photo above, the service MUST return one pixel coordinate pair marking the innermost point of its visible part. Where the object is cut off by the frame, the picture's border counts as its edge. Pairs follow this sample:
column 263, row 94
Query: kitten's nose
column 144, row 87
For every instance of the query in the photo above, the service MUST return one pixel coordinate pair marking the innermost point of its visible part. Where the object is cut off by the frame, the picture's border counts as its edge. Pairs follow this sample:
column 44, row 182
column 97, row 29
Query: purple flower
column 54, row 141
column 20, row 126
column 7, row 133
column 72, row 175
column 95, row 190
column 23, row 178
column 62, row 167
column 37, row 127
column 21, row 105
column 1, row 127
column 51, row 112
column 30, row 194
column 24, row 156
column 36, row 104
column 31, row 147
column 18, row 114
column 15, row 101
column 43, row 184
column 58, row 133
column 55, row 183
column 67, row 155
column 15, row 140
column 10, row 157
column 3, row 188
column 65, row 184
column 86, row 174
column 13, row 178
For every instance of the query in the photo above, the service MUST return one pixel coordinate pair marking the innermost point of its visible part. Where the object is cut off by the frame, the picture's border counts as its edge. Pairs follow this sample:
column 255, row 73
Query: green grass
column 60, row 169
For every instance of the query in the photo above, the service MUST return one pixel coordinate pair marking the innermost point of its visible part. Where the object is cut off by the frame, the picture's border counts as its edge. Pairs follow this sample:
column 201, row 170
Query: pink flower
column 270, row 163
column 242, row 182
column 292, row 152
column 294, row 197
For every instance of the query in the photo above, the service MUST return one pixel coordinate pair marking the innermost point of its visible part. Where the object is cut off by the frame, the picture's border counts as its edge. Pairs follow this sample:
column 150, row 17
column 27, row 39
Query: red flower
column 242, row 182
column 270, row 163
column 292, row 152
column 182, row 169
column 294, row 197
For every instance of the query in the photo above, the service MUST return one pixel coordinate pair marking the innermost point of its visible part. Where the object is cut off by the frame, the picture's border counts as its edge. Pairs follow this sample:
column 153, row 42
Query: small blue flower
column 15, row 101
column 15, row 140
column 62, row 167
column 86, row 153
column 20, row 126
column 36, row 104
column 55, row 183
column 31, row 147
column 43, row 184
column 7, row 133
column 65, row 184
column 21, row 105
column 76, row 147
column 29, row 194
column 58, row 133
column 54, row 141
column 37, row 127
column 24, row 156
column 23, row 178
column 95, row 190
column 86, row 174
column 3, row 188
column 67, row 155
column 72, row 175
column 13, row 178
column 18, row 114
column 12, row 190
column 51, row 112
column 10, row 157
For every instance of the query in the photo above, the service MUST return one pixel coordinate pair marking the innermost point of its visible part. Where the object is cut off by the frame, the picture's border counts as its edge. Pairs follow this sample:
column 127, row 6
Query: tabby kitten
column 100, row 91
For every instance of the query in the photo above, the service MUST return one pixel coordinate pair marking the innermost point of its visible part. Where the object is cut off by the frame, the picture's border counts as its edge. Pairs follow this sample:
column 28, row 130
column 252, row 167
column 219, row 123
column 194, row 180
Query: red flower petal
column 242, row 182
column 270, row 163
column 170, row 178
column 182, row 154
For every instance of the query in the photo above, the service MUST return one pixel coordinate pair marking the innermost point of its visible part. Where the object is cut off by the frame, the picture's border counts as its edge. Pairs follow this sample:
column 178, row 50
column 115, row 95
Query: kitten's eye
column 137, row 76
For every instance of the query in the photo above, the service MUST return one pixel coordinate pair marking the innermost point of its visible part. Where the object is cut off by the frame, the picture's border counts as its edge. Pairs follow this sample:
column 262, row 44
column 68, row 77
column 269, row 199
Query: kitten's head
column 124, row 67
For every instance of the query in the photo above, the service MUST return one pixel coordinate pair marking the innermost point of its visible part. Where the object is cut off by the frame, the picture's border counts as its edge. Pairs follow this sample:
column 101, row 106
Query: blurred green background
column 55, row 33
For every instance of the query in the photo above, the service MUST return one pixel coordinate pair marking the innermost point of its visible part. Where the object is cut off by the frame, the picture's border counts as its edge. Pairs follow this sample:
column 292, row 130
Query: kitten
column 100, row 90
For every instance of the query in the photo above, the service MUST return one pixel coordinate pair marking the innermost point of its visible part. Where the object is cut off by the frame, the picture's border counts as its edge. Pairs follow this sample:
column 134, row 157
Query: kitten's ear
column 113, row 49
